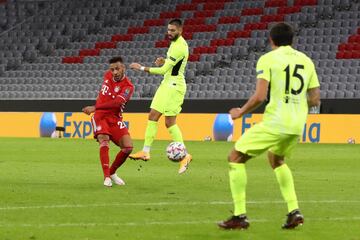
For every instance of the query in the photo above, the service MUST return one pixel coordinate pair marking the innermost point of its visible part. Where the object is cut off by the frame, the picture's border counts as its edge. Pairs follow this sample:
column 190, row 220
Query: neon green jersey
column 175, row 63
column 290, row 74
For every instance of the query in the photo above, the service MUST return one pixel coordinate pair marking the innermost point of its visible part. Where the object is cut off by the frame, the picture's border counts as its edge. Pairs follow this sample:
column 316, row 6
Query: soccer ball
column 176, row 151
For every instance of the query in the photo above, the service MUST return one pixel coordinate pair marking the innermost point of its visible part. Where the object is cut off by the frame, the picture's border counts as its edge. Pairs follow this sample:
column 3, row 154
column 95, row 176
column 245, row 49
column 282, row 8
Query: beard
column 173, row 38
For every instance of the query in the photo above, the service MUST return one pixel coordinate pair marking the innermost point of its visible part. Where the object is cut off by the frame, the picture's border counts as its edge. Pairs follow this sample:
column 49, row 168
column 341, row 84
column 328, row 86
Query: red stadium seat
column 256, row 26
column 276, row 3
column 162, row 44
column 289, row 10
column 105, row 45
column 154, row 22
column 213, row 6
column 137, row 30
column 89, row 52
column 125, row 37
column 305, row 2
column 176, row 14
column 272, row 18
column 205, row 14
column 186, row 7
column 252, row 11
column 194, row 21
column 194, row 57
column 228, row 20
column 239, row 34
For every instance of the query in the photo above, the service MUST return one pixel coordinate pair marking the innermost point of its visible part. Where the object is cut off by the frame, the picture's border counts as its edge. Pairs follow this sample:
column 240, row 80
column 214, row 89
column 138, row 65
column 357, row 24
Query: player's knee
column 127, row 150
column 237, row 157
column 275, row 163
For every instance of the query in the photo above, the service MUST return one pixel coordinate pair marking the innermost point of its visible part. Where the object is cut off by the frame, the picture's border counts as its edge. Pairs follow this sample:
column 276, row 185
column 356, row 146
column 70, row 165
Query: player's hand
column 89, row 109
column 235, row 113
column 135, row 66
column 159, row 61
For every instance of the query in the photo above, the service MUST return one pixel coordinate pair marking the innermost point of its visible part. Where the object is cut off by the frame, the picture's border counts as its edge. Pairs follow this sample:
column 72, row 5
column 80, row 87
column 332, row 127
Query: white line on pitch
column 4, row 208
column 136, row 224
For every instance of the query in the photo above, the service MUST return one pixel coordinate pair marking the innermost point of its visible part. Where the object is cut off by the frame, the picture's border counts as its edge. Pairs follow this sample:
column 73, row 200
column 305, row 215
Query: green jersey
column 290, row 74
column 175, row 63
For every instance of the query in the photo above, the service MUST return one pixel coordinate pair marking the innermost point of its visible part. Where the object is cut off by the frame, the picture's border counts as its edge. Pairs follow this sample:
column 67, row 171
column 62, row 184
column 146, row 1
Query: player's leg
column 172, row 109
column 150, row 134
column 238, row 181
column 156, row 110
column 104, row 157
column 126, row 145
column 252, row 143
column 285, row 179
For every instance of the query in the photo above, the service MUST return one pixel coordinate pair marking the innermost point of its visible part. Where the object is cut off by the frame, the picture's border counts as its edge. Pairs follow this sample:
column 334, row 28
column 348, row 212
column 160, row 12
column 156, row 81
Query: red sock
column 104, row 158
column 120, row 159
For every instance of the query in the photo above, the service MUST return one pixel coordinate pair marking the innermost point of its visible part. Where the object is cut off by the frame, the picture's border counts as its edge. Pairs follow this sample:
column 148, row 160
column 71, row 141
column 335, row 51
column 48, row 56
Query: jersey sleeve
column 126, row 93
column 263, row 69
column 313, row 81
column 174, row 55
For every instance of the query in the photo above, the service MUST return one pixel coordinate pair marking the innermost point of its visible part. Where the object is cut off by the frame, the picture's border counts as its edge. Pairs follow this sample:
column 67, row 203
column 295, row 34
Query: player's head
column 281, row 34
column 174, row 29
column 117, row 68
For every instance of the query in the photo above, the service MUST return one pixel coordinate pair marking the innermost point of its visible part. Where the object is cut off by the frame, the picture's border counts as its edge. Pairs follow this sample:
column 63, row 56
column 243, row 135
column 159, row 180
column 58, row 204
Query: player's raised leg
column 104, row 157
column 238, row 181
column 126, row 146
column 150, row 134
column 285, row 179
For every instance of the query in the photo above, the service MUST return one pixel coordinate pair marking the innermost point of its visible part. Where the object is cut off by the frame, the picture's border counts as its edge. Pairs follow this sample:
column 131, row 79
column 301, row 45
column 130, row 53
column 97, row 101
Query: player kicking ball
column 294, row 88
column 107, row 121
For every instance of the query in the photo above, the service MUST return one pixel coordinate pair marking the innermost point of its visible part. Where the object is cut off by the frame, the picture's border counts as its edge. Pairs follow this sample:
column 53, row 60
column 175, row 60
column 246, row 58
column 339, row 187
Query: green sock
column 286, row 182
column 150, row 133
column 238, row 179
column 175, row 133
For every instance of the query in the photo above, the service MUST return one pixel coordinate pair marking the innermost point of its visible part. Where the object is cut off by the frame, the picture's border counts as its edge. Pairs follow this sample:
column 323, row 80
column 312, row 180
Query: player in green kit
column 294, row 88
column 170, row 95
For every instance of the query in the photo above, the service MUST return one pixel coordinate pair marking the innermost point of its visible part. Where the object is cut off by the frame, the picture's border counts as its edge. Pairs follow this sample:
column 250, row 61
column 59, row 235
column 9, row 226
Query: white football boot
column 117, row 180
column 107, row 182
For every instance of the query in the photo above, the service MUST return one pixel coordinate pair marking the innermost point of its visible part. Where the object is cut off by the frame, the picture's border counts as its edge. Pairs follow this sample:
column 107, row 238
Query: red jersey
column 113, row 95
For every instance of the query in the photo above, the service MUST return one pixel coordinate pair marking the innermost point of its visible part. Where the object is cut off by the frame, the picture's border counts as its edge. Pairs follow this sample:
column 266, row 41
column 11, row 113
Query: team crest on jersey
column 117, row 89
column 98, row 128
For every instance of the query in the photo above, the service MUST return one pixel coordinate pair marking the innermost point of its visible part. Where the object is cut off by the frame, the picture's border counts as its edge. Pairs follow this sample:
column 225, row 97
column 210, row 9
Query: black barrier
column 333, row 106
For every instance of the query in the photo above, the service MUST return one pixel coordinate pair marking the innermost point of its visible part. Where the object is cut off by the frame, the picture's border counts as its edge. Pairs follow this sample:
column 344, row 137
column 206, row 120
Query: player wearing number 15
column 116, row 90
column 294, row 88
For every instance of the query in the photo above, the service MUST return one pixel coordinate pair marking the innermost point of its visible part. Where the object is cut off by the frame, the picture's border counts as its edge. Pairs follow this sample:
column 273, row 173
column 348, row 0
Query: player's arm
column 313, row 97
column 153, row 70
column 123, row 97
column 174, row 56
column 313, row 91
column 254, row 101
column 89, row 109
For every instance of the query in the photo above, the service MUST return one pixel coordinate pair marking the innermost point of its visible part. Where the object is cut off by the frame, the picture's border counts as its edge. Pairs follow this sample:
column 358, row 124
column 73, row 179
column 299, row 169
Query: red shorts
column 110, row 125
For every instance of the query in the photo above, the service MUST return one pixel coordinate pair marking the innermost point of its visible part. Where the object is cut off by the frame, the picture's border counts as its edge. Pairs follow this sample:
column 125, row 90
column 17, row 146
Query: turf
column 52, row 189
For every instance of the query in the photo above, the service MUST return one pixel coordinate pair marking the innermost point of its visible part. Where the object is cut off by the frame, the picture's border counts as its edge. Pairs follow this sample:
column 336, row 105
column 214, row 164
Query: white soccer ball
column 176, row 151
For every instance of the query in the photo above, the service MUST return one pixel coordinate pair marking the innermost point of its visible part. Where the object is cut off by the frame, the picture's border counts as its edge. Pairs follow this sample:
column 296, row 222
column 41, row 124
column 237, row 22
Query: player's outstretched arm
column 254, row 101
column 154, row 70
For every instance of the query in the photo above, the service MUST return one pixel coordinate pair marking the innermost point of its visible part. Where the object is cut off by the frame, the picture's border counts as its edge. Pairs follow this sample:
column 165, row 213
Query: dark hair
column 282, row 34
column 116, row 59
column 177, row 22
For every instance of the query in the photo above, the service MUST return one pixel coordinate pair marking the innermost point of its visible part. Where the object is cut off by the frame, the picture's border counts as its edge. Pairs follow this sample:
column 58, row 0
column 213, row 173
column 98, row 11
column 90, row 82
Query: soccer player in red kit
column 107, row 120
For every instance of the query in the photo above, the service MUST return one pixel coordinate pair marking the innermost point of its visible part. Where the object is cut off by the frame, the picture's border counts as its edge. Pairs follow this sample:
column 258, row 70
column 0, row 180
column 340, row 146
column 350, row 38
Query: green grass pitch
column 52, row 189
